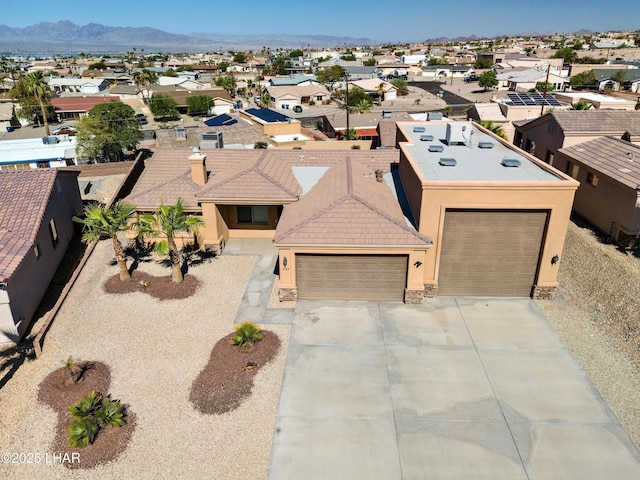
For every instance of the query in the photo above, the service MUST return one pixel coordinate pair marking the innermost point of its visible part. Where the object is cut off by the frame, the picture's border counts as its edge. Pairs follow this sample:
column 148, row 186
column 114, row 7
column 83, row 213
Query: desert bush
column 246, row 335
column 91, row 413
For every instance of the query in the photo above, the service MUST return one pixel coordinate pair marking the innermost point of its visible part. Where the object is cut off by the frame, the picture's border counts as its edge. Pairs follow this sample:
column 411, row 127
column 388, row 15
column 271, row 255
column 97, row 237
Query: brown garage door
column 489, row 252
column 351, row 277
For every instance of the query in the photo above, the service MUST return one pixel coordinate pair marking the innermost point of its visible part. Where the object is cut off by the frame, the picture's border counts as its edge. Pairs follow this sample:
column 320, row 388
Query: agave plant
column 110, row 413
column 82, row 431
column 246, row 335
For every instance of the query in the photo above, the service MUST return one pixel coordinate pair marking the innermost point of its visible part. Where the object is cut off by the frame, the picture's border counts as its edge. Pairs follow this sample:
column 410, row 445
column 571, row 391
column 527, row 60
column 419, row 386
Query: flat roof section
column 478, row 156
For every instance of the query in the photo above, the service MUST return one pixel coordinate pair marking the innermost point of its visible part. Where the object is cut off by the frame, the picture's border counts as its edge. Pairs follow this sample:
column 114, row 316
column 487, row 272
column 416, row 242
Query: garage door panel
column 351, row 277
column 490, row 253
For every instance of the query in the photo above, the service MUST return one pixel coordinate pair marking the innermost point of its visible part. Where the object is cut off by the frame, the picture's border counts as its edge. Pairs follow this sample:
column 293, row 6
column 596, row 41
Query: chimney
column 379, row 174
column 197, row 161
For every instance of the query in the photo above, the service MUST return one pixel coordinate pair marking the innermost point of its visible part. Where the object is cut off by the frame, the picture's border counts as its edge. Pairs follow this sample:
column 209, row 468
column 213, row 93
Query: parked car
column 65, row 130
column 297, row 108
column 142, row 118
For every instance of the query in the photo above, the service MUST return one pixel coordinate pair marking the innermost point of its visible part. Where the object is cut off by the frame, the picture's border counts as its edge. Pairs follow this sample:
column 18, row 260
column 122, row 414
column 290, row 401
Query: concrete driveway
column 458, row 388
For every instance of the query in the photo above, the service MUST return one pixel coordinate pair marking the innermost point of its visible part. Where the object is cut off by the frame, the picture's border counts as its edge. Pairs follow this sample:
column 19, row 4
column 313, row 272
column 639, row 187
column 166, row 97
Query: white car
column 65, row 129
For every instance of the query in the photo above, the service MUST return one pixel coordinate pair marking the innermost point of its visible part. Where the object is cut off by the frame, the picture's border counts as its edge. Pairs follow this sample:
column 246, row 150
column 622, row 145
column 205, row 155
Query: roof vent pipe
column 379, row 174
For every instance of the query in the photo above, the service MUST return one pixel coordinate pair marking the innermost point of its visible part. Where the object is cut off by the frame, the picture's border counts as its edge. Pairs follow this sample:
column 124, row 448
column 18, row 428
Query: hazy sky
column 404, row 20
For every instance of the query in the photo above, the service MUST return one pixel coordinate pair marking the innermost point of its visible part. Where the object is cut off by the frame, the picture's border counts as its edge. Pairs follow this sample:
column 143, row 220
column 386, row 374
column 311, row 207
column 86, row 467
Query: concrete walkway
column 452, row 389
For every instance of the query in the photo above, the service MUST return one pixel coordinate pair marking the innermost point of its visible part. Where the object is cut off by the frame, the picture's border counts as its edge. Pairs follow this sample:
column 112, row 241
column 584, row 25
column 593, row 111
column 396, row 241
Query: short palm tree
column 380, row 90
column 167, row 221
column 100, row 221
column 493, row 128
column 581, row 105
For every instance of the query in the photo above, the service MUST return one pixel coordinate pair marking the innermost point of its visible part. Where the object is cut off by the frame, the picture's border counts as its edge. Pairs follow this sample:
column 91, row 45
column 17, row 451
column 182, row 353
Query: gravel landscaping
column 597, row 314
column 155, row 350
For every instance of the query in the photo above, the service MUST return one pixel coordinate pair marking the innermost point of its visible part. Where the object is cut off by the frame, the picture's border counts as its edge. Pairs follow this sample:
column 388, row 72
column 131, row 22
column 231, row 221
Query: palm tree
column 36, row 87
column 266, row 100
column 380, row 89
column 493, row 128
column 100, row 221
column 581, row 105
column 167, row 221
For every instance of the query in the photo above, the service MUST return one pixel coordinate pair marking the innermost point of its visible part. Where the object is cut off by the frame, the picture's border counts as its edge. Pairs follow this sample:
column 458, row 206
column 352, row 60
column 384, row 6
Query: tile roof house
column 286, row 97
column 454, row 211
column 36, row 210
column 75, row 107
column 543, row 136
column 608, row 197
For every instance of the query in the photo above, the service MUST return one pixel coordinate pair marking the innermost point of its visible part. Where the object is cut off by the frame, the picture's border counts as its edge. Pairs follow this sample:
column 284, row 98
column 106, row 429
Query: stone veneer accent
column 431, row 290
column 413, row 296
column 287, row 294
column 543, row 293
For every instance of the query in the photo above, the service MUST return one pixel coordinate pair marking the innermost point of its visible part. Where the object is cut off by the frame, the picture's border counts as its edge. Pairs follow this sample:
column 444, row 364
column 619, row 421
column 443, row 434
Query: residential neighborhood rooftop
column 613, row 122
column 470, row 155
column 610, row 156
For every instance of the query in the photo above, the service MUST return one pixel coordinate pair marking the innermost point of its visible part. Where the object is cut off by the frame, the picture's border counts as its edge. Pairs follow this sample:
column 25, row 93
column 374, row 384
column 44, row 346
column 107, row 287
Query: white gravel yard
column 597, row 315
column 155, row 351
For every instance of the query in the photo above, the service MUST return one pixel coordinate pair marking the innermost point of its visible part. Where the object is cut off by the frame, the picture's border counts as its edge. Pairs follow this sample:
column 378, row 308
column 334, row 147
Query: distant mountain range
column 66, row 37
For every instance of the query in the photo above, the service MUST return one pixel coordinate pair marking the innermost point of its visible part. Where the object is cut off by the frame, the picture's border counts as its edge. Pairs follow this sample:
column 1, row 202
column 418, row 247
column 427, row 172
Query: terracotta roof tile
column 24, row 196
column 612, row 122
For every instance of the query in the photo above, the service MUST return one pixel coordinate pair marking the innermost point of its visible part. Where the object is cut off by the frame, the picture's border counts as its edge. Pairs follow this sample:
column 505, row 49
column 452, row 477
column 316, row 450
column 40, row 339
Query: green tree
column 348, row 57
column 402, row 86
column 239, row 57
column 583, row 79
column 358, row 97
column 581, row 105
column 97, row 66
column 227, row 82
column 143, row 79
column 163, row 107
column 488, row 80
column 266, row 100
column 370, row 62
column 296, row 53
column 200, row 104
column 544, row 87
column 350, row 134
column 184, row 68
column 107, row 130
column 482, row 63
column 330, row 76
column 33, row 94
column 380, row 89
column 619, row 77
column 168, row 221
column 493, row 128
column 223, row 66
column 100, row 222
column 568, row 54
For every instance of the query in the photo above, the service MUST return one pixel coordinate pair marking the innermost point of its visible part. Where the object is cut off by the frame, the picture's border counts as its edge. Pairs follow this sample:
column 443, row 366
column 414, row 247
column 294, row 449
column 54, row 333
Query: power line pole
column 346, row 81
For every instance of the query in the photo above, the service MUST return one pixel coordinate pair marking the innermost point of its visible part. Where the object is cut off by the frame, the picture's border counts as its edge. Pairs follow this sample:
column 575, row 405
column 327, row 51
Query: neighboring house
column 88, row 86
column 597, row 100
column 219, row 95
column 119, row 78
column 543, row 136
column 183, row 83
column 7, row 116
column 287, row 97
column 497, row 216
column 608, row 170
column 72, row 108
column 293, row 80
column 365, row 124
column 371, row 86
column 271, row 122
column 36, row 210
column 605, row 80
column 34, row 153
column 526, row 80
column 443, row 72
column 478, row 218
column 356, row 72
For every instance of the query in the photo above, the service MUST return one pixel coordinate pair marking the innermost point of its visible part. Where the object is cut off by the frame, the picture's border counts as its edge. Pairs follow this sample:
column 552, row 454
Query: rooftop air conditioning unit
column 485, row 144
column 386, row 114
column 426, row 138
column 431, row 116
column 212, row 140
column 436, row 148
column 418, row 129
column 51, row 140
column 458, row 133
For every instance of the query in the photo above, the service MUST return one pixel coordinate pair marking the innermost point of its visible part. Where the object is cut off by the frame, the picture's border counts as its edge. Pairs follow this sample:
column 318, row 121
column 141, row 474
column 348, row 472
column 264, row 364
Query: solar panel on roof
column 531, row 99
column 267, row 115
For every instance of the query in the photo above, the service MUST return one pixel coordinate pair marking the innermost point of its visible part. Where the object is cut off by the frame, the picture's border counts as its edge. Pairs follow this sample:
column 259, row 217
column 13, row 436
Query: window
column 36, row 251
column 319, row 98
column 572, row 170
column 258, row 215
column 592, row 179
column 530, row 146
column 53, row 231
column 551, row 127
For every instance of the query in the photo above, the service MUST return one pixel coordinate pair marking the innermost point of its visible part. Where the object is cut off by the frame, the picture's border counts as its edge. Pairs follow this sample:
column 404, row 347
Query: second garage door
column 490, row 253
column 351, row 277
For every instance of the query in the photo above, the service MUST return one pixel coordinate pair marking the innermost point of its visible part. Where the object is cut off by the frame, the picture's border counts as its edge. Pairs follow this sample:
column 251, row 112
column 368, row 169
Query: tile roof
column 297, row 90
column 610, row 156
column 612, row 122
column 79, row 104
column 347, row 207
column 24, row 195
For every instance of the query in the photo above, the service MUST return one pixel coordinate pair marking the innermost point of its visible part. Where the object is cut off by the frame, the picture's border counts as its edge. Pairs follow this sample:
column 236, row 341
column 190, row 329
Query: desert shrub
column 246, row 335
column 91, row 413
